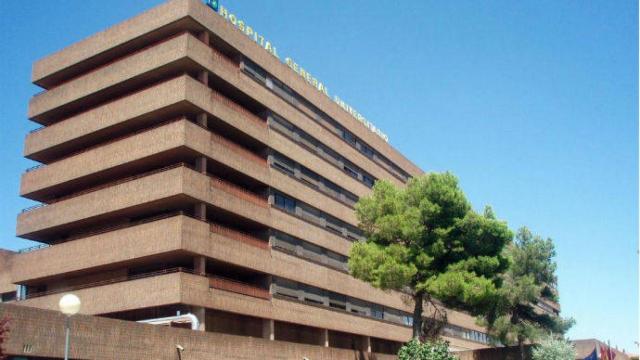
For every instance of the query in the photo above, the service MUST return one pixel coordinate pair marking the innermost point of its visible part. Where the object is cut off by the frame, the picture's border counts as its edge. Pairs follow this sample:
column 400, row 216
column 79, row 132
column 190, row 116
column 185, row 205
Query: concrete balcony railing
column 240, row 109
column 238, row 191
column 102, row 66
column 108, row 160
column 237, row 235
column 106, row 83
column 111, row 141
column 221, row 283
column 109, row 281
column 222, row 58
column 105, row 186
column 241, row 150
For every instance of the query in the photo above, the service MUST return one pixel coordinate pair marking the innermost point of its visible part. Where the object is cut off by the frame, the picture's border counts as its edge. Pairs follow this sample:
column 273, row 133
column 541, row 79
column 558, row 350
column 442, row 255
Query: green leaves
column 529, row 278
column 554, row 349
column 383, row 267
column 426, row 237
column 415, row 350
column 461, row 289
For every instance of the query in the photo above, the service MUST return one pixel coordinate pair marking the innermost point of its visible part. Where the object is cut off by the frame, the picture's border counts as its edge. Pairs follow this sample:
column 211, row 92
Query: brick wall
column 41, row 333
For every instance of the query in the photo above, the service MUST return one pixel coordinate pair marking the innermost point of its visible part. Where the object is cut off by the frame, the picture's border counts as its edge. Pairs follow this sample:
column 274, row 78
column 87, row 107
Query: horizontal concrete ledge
column 41, row 332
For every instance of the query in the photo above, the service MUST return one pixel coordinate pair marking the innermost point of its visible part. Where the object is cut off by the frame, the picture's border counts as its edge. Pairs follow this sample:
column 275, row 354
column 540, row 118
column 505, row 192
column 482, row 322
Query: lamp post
column 69, row 305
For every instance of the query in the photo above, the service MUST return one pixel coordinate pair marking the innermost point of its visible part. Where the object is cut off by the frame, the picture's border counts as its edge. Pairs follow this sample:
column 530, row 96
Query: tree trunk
column 521, row 347
column 417, row 315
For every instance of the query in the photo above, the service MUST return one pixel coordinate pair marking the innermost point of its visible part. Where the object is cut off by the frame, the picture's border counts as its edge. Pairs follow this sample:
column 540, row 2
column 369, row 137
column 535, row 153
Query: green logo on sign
column 214, row 4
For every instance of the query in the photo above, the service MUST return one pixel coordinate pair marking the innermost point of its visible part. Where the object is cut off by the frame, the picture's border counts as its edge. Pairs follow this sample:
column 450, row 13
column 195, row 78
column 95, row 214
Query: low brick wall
column 36, row 332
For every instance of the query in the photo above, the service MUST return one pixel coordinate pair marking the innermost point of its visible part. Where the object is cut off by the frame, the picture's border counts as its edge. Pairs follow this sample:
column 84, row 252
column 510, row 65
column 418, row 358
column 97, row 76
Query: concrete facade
column 162, row 189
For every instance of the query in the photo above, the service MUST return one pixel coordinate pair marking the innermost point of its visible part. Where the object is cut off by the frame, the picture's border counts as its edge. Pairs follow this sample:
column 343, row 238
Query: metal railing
column 111, row 281
column 238, row 191
column 35, row 167
column 33, row 207
column 238, row 235
column 33, row 248
column 36, row 129
column 221, row 283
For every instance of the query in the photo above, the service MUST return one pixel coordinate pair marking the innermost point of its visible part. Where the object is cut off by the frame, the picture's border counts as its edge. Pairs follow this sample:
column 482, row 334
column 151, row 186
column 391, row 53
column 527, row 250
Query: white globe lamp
column 69, row 305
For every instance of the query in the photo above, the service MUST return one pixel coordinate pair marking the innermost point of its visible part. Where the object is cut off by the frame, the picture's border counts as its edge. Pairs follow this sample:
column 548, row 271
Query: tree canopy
column 552, row 348
column 529, row 279
column 426, row 240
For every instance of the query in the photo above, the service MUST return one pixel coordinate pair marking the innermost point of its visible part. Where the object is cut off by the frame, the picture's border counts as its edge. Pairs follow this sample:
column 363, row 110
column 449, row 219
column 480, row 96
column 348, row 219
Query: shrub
column 554, row 349
column 415, row 350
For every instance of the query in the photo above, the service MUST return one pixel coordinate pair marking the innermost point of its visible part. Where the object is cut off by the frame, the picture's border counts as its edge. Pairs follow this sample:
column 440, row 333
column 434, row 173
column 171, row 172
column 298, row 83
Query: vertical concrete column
column 324, row 337
column 200, row 211
column 203, row 77
column 268, row 280
column 204, row 37
column 200, row 265
column 366, row 344
column 201, row 165
column 268, row 329
column 201, row 119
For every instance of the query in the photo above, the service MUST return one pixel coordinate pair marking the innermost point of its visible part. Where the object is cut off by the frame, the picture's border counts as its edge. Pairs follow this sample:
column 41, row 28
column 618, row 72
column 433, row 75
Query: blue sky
column 533, row 104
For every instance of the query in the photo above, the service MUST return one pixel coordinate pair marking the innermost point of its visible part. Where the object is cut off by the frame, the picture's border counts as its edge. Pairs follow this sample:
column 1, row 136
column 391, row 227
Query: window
column 348, row 137
column 309, row 176
column 8, row 296
column 254, row 70
column 338, row 301
column 329, row 154
column 377, row 311
column 350, row 172
column 285, row 242
column 311, row 251
column 351, row 198
column 365, row 149
column 334, row 224
column 280, row 89
column 332, row 188
column 367, row 180
column 284, row 165
column 285, row 203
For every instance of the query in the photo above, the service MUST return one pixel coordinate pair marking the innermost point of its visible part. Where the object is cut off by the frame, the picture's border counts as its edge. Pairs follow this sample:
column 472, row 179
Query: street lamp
column 69, row 305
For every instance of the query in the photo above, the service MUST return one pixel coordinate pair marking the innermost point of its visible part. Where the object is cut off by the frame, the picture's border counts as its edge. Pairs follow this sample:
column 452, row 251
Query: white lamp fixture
column 69, row 304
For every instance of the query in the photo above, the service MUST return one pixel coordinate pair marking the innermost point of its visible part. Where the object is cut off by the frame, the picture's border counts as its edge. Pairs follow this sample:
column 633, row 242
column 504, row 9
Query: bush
column 554, row 349
column 415, row 350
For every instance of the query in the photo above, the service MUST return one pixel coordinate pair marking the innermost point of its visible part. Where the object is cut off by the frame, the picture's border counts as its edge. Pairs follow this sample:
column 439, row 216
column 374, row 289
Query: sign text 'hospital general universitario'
column 259, row 39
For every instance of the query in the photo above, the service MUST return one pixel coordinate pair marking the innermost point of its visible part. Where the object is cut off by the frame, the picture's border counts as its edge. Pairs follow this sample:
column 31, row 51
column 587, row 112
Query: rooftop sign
column 266, row 44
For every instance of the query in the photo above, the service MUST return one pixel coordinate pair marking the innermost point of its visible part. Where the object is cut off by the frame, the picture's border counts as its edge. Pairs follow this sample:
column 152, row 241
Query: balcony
column 249, row 155
column 108, row 83
column 104, row 186
column 221, row 283
column 239, row 236
column 218, row 97
column 110, row 281
column 174, row 140
column 238, row 192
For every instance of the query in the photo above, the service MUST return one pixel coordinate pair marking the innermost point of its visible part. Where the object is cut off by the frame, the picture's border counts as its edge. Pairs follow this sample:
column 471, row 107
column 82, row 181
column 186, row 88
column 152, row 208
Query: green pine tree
column 426, row 240
column 514, row 319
